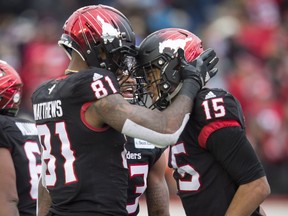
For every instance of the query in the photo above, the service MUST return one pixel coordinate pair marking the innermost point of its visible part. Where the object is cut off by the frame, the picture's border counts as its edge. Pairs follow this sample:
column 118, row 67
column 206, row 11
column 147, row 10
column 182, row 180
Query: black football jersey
column 86, row 169
column 208, row 173
column 20, row 137
column 141, row 156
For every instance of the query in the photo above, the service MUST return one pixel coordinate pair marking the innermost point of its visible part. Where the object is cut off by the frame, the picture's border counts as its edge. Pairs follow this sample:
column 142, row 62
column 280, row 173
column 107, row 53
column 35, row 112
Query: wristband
column 190, row 88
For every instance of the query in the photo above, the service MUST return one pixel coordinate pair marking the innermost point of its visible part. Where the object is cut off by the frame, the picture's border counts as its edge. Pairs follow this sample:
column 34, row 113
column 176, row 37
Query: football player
column 20, row 165
column 146, row 166
column 81, row 117
column 215, row 167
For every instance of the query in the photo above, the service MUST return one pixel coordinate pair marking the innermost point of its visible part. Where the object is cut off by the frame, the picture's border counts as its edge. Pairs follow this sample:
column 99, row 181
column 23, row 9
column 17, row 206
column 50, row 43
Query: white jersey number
column 99, row 88
column 138, row 170
column 192, row 184
column 217, row 107
column 31, row 149
column 49, row 161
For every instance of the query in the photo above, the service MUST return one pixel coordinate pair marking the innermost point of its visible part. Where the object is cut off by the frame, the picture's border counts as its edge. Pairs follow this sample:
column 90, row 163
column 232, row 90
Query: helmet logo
column 108, row 31
column 16, row 97
column 174, row 45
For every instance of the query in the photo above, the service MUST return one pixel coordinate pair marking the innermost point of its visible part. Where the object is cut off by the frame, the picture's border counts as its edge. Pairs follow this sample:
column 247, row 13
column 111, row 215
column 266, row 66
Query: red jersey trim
column 82, row 114
column 212, row 127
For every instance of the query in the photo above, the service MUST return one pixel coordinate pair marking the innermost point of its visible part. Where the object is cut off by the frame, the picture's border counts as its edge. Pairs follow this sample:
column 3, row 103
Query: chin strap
column 174, row 93
column 163, row 103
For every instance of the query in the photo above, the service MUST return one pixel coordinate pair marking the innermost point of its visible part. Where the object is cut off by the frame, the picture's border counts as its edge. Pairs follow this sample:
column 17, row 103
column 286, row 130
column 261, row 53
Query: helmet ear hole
column 165, row 87
column 161, row 62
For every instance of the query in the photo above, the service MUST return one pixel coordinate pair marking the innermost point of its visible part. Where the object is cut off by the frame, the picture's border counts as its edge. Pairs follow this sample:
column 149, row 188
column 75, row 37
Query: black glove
column 200, row 69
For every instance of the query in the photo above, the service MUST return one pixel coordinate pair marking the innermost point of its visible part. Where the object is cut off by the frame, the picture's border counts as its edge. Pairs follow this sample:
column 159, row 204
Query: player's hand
column 200, row 69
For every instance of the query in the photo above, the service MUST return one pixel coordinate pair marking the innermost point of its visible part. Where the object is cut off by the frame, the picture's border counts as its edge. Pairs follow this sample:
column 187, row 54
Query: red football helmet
column 10, row 89
column 161, row 50
column 97, row 29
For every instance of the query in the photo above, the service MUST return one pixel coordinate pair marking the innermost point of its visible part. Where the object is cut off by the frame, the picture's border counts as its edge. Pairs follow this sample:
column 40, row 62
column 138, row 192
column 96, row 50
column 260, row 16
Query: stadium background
column 250, row 36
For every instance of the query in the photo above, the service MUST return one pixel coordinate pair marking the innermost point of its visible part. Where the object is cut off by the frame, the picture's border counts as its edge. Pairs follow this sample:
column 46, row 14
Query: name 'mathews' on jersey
column 45, row 110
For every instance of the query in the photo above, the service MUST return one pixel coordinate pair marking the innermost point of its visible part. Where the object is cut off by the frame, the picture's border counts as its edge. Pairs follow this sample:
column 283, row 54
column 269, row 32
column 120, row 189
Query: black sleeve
column 4, row 141
column 234, row 152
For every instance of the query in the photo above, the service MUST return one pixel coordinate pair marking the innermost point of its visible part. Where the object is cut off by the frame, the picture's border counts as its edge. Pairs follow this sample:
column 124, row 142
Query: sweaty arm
column 160, row 128
column 8, row 189
column 157, row 194
column 232, row 149
column 248, row 196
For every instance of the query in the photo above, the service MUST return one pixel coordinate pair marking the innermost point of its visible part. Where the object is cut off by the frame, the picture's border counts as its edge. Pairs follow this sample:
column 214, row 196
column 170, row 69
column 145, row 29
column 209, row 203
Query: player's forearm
column 9, row 208
column 181, row 105
column 248, row 197
column 158, row 200
column 136, row 121
column 160, row 140
column 160, row 128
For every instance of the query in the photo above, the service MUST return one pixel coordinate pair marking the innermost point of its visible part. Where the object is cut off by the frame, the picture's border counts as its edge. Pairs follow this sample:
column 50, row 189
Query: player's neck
column 76, row 64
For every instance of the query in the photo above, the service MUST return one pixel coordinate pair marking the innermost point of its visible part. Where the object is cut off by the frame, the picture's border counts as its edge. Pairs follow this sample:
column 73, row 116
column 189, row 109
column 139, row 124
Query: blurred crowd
column 249, row 36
